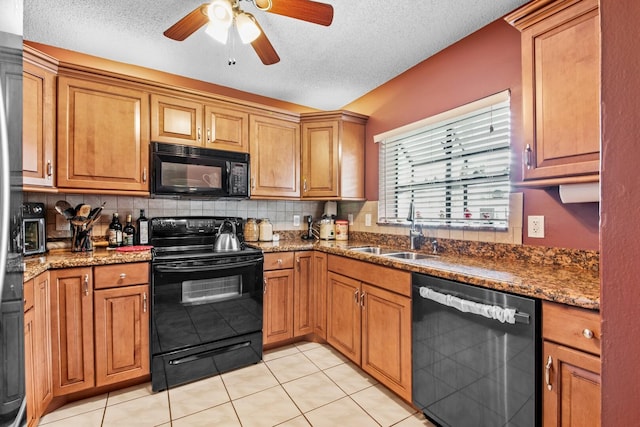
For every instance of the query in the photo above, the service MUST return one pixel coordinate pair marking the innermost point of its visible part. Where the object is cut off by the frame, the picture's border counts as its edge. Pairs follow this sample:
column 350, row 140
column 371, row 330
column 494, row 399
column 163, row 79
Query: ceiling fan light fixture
column 217, row 32
column 247, row 27
column 220, row 12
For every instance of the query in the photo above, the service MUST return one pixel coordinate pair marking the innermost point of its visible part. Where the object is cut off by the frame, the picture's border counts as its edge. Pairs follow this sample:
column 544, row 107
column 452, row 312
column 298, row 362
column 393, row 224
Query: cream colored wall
column 513, row 235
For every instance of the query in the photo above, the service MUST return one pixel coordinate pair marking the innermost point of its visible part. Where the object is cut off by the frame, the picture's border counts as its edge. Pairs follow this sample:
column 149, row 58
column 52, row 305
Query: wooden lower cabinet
column 303, row 298
column 571, row 366
column 319, row 285
column 121, row 333
column 370, row 324
column 37, row 335
column 72, row 330
column 278, row 306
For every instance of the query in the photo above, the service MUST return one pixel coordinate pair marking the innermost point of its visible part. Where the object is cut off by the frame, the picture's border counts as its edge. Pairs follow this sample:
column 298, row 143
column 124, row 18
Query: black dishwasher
column 475, row 355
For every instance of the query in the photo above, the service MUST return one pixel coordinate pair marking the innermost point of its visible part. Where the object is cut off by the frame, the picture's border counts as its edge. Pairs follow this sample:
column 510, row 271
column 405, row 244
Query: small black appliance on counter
column 34, row 228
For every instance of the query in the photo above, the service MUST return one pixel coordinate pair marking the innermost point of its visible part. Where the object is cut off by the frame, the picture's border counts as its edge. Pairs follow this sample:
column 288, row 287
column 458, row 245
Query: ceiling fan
column 220, row 15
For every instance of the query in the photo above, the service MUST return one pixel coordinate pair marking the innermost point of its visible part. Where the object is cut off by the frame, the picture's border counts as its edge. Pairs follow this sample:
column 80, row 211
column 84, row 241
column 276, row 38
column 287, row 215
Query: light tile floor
column 306, row 384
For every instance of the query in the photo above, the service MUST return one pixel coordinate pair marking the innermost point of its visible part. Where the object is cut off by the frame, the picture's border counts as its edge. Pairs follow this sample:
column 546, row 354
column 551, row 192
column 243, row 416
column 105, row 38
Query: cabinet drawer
column 28, row 294
column 116, row 275
column 384, row 277
column 278, row 260
column 570, row 326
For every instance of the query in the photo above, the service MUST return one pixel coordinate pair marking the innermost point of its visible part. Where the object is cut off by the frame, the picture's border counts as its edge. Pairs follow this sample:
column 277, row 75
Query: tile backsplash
column 279, row 212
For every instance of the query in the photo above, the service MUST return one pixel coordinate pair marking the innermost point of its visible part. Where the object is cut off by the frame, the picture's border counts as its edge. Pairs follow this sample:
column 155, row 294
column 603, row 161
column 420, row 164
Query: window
column 454, row 167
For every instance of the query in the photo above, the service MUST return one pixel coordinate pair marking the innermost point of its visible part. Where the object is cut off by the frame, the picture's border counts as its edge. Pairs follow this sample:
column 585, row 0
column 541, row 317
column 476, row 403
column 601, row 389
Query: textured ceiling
column 368, row 43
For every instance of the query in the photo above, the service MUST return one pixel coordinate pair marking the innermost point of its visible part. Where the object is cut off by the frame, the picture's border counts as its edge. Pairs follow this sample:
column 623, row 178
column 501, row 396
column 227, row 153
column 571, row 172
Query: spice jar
column 266, row 230
column 342, row 229
column 251, row 230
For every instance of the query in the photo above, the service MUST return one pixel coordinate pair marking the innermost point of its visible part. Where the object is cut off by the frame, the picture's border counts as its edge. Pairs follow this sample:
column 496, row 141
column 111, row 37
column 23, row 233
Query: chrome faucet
column 415, row 232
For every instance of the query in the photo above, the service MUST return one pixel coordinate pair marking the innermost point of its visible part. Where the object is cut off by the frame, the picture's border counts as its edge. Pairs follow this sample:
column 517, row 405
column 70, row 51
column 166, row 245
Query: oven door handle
column 214, row 267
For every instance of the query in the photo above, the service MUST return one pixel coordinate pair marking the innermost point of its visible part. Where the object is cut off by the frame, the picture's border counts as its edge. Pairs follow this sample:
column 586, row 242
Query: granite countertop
column 35, row 265
column 562, row 284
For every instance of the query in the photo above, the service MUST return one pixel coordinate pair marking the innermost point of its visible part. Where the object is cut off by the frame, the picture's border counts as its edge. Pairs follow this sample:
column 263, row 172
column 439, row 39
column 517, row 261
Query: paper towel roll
column 580, row 193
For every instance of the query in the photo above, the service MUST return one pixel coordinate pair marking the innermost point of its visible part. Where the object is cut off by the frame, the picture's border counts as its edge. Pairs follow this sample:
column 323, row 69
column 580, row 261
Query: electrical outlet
column 296, row 220
column 350, row 219
column 536, row 226
column 367, row 220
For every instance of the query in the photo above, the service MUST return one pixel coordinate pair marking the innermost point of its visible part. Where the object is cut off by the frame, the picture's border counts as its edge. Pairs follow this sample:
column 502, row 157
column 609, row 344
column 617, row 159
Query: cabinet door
column 122, row 333
column 176, row 120
column 386, row 338
column 320, row 159
column 571, row 389
column 343, row 315
column 38, row 125
column 72, row 330
column 278, row 306
column 561, row 93
column 226, row 128
column 274, row 146
column 303, row 294
column 42, row 357
column 103, row 136
column 29, row 367
column 319, row 284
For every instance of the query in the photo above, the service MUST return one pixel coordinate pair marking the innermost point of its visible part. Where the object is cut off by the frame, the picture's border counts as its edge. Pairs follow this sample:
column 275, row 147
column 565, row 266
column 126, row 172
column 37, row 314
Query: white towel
column 503, row 315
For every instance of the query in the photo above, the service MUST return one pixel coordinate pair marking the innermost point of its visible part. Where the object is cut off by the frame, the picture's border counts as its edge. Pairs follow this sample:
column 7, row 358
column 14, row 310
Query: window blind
column 455, row 170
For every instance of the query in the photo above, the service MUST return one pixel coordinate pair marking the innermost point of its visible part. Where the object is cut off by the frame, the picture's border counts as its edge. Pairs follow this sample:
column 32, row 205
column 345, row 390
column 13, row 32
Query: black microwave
column 183, row 171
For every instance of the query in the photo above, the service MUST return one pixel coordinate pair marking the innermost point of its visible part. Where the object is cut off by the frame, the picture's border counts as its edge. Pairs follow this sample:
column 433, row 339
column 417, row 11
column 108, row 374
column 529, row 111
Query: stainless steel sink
column 409, row 255
column 375, row 250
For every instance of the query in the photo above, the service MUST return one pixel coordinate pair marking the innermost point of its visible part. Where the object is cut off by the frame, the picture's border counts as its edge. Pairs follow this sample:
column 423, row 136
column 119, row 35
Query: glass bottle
column 128, row 233
column 115, row 232
column 266, row 230
column 142, row 236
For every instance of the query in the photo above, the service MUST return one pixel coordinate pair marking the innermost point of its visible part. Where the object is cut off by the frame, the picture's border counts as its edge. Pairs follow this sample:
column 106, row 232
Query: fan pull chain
column 232, row 46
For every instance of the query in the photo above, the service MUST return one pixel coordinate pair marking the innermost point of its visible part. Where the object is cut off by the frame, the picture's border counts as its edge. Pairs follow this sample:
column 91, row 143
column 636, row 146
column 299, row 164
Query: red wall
column 486, row 62
column 620, row 205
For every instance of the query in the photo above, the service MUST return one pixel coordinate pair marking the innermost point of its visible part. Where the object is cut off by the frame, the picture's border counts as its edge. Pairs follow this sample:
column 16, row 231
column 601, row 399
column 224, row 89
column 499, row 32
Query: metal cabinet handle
column 208, row 136
column 253, row 183
column 356, row 295
column 298, row 263
column 199, row 134
column 49, row 168
column 527, row 156
column 144, row 302
column 547, row 373
column 265, row 285
column 362, row 296
column 144, row 174
column 86, row 284
column 279, row 261
column 123, row 275
column 304, row 185
column 588, row 334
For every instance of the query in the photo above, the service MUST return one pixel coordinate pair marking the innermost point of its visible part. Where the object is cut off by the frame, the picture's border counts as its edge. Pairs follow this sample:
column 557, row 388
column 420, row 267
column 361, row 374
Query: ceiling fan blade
column 264, row 49
column 189, row 24
column 305, row 10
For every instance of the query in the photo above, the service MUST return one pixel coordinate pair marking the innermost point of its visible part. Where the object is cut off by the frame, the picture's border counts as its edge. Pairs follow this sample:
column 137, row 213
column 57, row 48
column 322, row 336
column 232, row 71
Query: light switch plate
column 62, row 224
column 367, row 220
column 296, row 220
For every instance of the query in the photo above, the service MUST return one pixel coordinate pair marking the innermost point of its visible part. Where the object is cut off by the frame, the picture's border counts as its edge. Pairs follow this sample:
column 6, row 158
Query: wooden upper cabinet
column 103, row 135
column 38, row 119
column 274, row 146
column 176, row 120
column 226, row 128
column 181, row 120
column 560, row 90
column 333, row 155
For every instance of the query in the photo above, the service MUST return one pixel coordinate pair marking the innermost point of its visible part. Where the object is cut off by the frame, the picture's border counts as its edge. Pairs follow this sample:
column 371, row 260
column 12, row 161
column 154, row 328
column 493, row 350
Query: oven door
column 206, row 318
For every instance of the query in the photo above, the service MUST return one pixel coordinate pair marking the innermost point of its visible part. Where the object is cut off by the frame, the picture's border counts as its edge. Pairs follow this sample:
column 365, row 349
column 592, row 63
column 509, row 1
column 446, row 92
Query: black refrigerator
column 12, row 387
